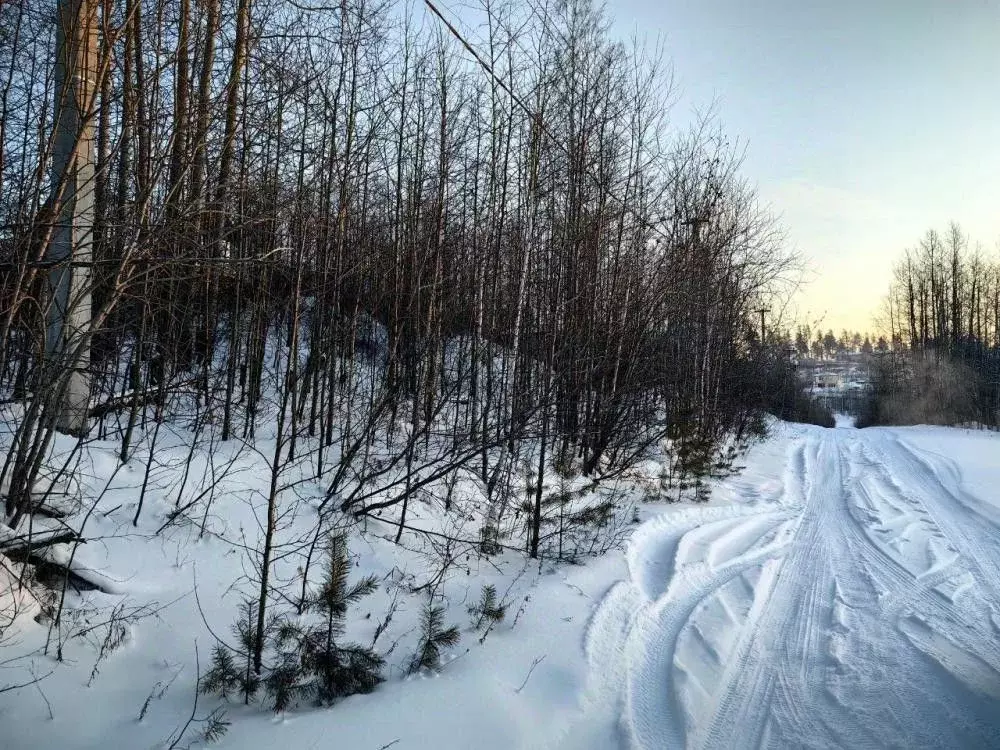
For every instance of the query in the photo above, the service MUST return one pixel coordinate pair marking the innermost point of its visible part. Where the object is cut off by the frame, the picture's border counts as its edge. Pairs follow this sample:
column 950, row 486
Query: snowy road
column 859, row 608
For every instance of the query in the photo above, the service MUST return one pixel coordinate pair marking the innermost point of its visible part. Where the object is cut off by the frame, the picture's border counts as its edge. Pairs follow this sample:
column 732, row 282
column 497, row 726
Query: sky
column 864, row 123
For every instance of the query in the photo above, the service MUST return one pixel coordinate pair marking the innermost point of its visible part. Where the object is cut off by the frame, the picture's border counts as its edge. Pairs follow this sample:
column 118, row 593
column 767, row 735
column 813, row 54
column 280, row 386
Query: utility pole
column 70, row 249
column 763, row 331
column 695, row 223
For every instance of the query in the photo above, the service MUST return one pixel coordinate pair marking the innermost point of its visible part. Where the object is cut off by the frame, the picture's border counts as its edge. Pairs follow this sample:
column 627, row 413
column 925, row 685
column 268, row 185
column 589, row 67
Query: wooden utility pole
column 70, row 250
column 696, row 224
column 763, row 331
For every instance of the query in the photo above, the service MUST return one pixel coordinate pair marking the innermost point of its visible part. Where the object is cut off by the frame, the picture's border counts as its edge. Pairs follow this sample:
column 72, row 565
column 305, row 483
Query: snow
column 858, row 609
column 844, row 420
column 177, row 589
column 841, row 591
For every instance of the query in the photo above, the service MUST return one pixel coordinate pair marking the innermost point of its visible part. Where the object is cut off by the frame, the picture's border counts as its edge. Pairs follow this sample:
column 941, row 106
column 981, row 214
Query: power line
column 533, row 115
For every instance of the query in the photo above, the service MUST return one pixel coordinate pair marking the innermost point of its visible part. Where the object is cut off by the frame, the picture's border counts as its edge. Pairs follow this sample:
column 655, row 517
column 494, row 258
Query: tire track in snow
column 905, row 593
column 740, row 628
column 901, row 587
column 617, row 635
column 654, row 717
column 786, row 649
column 965, row 529
column 654, row 714
column 959, row 595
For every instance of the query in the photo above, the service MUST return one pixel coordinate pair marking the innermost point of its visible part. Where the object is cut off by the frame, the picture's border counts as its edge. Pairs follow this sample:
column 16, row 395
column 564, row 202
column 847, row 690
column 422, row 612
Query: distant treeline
column 828, row 345
column 943, row 309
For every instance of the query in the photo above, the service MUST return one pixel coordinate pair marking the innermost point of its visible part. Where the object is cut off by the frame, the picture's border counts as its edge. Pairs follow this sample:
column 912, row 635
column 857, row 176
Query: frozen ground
column 842, row 592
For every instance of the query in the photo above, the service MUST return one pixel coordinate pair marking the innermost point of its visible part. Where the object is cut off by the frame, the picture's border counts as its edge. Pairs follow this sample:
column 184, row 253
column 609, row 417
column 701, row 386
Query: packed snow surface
column 857, row 609
column 843, row 591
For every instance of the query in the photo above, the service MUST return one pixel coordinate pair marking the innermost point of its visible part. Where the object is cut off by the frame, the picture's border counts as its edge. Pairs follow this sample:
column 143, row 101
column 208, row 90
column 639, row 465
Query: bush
column 920, row 388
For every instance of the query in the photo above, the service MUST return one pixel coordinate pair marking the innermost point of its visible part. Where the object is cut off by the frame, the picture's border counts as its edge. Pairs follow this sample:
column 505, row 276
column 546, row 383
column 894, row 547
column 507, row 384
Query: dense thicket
column 515, row 246
column 784, row 393
column 386, row 260
column 943, row 311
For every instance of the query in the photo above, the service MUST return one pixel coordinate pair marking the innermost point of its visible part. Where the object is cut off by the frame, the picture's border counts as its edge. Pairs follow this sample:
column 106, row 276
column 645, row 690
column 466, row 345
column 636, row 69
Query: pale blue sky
column 865, row 123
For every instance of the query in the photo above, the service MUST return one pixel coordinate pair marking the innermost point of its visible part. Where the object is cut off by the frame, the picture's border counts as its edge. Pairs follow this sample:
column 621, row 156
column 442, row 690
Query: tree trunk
column 71, row 246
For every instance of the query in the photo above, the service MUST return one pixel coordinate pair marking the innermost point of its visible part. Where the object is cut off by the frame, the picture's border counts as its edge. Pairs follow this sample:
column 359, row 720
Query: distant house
column 827, row 380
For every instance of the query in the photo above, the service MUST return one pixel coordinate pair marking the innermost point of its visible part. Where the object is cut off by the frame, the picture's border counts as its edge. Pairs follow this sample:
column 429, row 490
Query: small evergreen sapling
column 336, row 670
column 232, row 670
column 284, row 682
column 488, row 611
column 310, row 662
column 433, row 637
column 305, row 660
column 223, row 677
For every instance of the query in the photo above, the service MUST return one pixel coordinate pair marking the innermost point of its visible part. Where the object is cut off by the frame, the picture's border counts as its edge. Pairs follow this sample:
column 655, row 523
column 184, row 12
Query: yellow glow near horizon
column 850, row 243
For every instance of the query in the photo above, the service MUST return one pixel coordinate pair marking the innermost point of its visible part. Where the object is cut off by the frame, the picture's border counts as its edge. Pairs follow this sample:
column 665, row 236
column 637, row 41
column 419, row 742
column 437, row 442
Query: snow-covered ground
column 858, row 608
column 842, row 591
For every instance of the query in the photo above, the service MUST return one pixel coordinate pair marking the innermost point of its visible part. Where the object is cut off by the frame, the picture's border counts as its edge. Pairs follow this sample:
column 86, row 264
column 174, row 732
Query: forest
column 943, row 315
column 384, row 251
